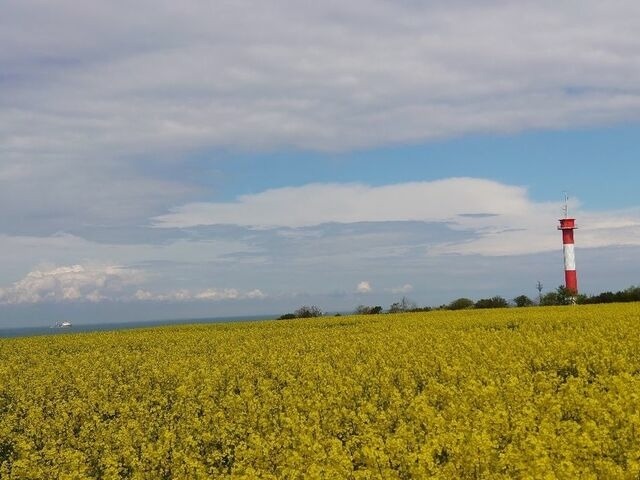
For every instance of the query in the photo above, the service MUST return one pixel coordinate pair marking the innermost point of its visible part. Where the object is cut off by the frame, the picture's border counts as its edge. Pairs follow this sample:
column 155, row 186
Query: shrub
column 494, row 302
column 308, row 312
column 367, row 310
column 404, row 305
column 523, row 301
column 460, row 304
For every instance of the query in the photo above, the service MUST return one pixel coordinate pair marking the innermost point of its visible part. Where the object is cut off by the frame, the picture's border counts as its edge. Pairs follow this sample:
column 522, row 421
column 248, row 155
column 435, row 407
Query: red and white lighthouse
column 568, row 225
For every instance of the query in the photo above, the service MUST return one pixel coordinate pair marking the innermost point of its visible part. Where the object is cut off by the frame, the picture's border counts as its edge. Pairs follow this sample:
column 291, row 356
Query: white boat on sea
column 65, row 324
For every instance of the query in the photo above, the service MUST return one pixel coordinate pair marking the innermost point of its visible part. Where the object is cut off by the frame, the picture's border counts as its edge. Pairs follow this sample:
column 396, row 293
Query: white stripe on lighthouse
column 569, row 256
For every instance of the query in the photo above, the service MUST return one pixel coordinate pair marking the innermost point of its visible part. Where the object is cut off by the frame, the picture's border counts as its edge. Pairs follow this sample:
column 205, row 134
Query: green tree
column 404, row 305
column 308, row 312
column 550, row 299
column 494, row 302
column 523, row 301
column 460, row 304
column 561, row 296
column 367, row 310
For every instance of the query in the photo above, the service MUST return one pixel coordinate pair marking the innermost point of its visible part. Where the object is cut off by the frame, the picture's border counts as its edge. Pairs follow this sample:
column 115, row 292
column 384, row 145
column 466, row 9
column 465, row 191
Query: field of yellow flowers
column 512, row 393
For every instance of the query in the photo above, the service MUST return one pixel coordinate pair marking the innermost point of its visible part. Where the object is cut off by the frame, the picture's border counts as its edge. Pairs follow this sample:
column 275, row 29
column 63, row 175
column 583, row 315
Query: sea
column 6, row 332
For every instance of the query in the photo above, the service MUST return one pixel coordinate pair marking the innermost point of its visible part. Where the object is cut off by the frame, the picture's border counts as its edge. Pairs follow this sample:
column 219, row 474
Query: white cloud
column 498, row 219
column 364, row 287
column 90, row 283
column 65, row 249
column 96, row 283
column 406, row 288
column 100, row 111
column 214, row 294
column 209, row 294
column 315, row 204
column 331, row 75
column 256, row 293
column 144, row 295
column 178, row 295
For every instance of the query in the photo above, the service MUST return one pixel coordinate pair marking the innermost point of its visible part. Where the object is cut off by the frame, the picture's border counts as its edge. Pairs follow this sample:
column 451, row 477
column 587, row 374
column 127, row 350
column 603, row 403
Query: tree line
column 559, row 296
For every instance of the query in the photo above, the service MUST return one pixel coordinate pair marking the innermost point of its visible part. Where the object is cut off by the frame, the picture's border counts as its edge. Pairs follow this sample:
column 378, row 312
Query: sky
column 192, row 159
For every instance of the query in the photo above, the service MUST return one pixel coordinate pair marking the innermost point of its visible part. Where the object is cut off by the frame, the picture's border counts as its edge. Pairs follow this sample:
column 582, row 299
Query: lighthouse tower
column 567, row 226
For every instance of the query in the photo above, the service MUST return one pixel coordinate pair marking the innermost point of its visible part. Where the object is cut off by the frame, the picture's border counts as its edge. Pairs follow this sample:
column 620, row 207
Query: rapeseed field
column 530, row 393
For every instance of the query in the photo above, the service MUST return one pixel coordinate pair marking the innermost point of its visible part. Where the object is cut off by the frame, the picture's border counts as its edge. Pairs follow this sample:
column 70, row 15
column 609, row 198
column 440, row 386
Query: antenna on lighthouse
column 565, row 209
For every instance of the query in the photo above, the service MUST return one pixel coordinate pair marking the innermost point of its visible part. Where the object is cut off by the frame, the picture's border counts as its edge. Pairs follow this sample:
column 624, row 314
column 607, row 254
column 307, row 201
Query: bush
column 287, row 316
column 460, row 304
column 366, row 310
column 404, row 305
column 631, row 294
column 562, row 296
column 550, row 299
column 523, row 301
column 308, row 312
column 420, row 309
column 494, row 302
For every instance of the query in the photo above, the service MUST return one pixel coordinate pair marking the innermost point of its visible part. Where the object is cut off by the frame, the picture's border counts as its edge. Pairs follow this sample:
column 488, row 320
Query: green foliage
column 367, row 310
column 561, row 296
column 460, row 304
column 308, row 312
column 550, row 299
column 420, row 309
column 523, row 301
column 404, row 305
column 631, row 294
column 302, row 312
column 494, row 302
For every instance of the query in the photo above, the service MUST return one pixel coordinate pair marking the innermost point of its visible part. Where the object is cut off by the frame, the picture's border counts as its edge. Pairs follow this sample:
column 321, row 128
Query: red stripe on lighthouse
column 571, row 280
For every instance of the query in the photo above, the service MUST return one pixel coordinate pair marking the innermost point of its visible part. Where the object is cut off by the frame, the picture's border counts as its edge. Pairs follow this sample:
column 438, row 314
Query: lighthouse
column 567, row 226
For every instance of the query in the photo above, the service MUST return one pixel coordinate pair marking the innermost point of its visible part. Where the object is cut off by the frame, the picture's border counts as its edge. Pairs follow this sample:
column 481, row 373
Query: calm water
column 76, row 328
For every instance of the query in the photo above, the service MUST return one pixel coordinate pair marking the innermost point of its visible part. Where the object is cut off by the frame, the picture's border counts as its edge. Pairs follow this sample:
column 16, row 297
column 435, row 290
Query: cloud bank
column 327, row 75
column 97, row 283
column 107, row 103
column 500, row 220
column 210, row 294
column 406, row 288
column 92, row 283
column 315, row 204
column 299, row 240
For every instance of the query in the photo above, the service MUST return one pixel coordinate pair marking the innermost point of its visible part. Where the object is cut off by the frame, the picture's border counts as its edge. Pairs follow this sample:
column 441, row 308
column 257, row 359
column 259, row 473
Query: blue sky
column 547, row 162
column 193, row 159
